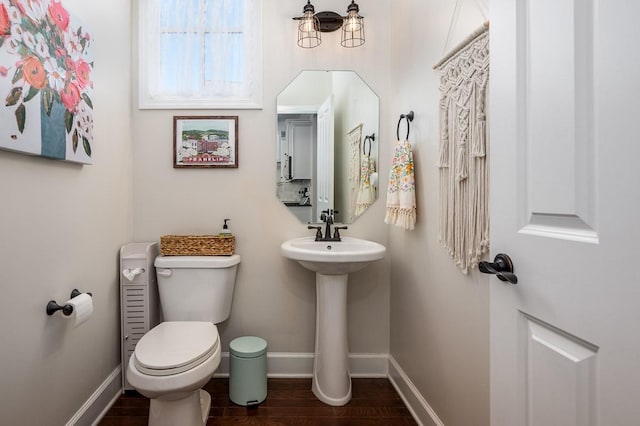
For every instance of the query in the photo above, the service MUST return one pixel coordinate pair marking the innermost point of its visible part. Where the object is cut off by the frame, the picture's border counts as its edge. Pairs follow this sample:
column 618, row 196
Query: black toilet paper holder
column 53, row 307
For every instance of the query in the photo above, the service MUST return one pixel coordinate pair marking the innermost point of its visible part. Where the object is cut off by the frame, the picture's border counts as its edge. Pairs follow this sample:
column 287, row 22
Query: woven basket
column 197, row 245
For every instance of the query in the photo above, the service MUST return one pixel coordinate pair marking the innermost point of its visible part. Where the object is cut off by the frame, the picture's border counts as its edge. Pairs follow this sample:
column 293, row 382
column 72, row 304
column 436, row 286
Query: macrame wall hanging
column 354, row 141
column 464, row 143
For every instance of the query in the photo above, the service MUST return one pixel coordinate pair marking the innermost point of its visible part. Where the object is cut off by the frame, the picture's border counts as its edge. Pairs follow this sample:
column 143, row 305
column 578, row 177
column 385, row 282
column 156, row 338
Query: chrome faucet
column 327, row 218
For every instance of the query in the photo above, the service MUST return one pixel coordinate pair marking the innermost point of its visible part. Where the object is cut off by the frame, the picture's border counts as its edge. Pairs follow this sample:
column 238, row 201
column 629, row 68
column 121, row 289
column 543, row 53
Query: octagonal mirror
column 327, row 145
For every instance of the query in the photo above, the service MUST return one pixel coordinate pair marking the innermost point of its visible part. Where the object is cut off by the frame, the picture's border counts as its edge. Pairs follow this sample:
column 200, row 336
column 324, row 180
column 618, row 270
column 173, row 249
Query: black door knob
column 502, row 267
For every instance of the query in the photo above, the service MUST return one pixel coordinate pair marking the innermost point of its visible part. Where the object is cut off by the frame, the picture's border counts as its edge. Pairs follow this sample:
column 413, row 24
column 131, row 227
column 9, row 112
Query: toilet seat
column 174, row 347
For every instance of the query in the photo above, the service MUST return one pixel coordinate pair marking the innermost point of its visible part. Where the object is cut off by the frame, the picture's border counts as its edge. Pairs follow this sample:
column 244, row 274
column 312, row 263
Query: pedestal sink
column 332, row 262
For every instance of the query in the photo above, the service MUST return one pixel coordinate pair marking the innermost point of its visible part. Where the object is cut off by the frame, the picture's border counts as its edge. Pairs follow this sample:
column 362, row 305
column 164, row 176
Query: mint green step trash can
column 248, row 370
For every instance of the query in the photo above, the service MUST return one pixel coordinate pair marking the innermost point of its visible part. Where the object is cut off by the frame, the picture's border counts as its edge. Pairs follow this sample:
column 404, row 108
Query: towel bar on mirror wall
column 409, row 118
column 371, row 138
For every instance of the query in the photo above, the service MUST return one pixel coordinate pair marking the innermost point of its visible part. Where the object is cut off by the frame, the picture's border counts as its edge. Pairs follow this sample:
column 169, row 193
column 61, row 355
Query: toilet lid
column 173, row 347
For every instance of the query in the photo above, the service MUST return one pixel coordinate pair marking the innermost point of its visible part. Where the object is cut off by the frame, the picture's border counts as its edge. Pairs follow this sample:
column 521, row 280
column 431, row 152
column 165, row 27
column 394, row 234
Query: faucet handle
column 318, row 231
column 336, row 231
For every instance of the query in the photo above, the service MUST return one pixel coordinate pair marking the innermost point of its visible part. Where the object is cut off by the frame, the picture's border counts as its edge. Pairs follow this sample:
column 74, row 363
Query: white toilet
column 176, row 358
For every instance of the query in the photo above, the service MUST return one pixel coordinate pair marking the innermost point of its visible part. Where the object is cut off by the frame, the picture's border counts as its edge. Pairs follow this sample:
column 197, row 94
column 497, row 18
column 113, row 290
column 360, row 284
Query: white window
column 200, row 54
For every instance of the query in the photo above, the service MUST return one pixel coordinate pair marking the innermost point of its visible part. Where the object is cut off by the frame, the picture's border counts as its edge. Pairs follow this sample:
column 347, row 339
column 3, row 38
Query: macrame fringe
column 444, row 135
column 461, row 164
column 404, row 218
column 479, row 140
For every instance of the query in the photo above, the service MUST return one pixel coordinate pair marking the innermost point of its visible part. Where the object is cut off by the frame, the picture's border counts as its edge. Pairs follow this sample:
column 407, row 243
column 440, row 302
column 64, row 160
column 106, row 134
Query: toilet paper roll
column 82, row 308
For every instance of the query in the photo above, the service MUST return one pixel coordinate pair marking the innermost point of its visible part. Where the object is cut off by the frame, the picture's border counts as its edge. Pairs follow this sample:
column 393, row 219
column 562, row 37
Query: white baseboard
column 94, row 409
column 289, row 364
column 420, row 409
column 369, row 365
column 300, row 364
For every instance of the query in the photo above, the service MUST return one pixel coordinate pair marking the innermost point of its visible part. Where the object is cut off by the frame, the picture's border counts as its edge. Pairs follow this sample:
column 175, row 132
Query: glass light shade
column 309, row 31
column 352, row 30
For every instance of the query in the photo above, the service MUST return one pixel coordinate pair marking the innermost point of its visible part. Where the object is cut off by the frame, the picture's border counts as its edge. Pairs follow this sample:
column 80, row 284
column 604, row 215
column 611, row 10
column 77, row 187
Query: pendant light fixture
column 353, row 27
column 309, row 28
column 312, row 24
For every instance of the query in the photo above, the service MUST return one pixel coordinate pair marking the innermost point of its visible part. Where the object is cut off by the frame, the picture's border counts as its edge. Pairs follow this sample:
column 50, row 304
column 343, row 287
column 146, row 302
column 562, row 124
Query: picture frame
column 205, row 142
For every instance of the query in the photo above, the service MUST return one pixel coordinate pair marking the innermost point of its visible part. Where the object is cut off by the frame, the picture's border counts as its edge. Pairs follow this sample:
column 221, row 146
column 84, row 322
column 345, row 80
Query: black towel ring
column 370, row 138
column 409, row 118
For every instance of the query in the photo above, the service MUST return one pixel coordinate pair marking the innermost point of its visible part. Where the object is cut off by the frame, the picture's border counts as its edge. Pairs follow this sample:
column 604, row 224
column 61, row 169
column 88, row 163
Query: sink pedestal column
column 332, row 263
column 331, row 379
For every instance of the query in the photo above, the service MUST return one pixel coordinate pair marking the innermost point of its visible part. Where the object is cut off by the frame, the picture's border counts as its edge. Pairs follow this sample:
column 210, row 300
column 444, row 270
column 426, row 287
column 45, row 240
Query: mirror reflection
column 327, row 145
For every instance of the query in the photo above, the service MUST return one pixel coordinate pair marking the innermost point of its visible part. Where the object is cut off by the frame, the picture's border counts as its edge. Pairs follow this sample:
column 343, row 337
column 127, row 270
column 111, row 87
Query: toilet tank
column 196, row 288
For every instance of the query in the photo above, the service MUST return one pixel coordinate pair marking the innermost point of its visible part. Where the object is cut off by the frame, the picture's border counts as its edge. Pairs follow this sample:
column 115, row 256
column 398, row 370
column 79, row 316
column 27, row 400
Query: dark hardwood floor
column 289, row 402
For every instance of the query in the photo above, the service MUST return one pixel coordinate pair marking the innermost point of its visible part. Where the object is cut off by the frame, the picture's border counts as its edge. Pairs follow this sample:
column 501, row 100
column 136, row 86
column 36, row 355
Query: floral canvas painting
column 46, row 64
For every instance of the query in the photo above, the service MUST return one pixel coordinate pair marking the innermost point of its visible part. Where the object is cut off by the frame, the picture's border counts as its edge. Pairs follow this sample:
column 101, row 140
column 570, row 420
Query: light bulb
column 352, row 23
column 308, row 23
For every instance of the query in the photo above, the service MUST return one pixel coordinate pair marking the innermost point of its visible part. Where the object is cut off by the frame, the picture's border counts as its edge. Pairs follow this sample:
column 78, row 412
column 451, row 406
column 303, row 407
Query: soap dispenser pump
column 225, row 232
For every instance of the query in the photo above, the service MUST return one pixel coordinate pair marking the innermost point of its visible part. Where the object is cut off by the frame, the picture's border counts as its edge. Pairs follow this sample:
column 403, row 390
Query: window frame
column 253, row 98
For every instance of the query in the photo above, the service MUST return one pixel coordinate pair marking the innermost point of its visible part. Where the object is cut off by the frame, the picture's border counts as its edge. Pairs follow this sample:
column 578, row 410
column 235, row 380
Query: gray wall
column 61, row 226
column 439, row 317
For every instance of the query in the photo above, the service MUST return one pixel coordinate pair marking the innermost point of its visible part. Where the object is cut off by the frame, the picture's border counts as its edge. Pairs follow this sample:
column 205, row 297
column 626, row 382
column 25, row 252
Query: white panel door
column 565, row 206
column 325, row 189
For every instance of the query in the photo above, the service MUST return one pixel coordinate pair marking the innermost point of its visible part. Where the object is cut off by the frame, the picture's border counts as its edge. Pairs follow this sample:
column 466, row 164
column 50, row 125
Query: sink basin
column 332, row 261
column 333, row 257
